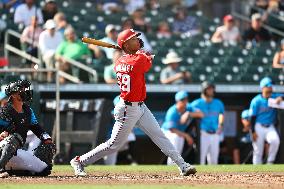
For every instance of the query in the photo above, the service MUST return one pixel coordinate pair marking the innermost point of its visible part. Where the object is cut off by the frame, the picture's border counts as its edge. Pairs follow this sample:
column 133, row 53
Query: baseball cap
column 228, row 18
column 181, row 95
column 2, row 95
column 125, row 35
column 266, row 82
column 256, row 16
column 49, row 24
column 109, row 28
column 245, row 114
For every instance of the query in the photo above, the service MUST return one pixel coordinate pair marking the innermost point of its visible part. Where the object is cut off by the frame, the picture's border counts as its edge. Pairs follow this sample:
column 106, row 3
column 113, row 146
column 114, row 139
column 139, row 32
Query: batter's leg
column 177, row 141
column 150, row 126
column 126, row 118
column 273, row 139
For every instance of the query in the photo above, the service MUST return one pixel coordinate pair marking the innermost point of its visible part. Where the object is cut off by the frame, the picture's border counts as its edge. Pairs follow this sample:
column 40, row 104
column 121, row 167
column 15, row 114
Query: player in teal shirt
column 176, row 121
column 211, row 124
column 263, row 119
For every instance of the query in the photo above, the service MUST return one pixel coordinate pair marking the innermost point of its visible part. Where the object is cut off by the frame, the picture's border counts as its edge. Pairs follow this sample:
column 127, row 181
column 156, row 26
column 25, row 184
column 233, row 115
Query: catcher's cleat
column 187, row 169
column 78, row 167
column 4, row 174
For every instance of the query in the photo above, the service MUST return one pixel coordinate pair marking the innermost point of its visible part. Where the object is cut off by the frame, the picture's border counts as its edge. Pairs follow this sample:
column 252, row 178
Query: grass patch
column 163, row 168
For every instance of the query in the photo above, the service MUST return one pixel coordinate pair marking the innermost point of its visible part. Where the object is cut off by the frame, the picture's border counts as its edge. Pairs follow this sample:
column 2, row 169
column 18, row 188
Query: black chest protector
column 18, row 122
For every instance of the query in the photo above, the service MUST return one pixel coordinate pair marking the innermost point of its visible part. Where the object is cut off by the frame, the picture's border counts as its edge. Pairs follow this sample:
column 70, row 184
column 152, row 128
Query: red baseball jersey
column 130, row 70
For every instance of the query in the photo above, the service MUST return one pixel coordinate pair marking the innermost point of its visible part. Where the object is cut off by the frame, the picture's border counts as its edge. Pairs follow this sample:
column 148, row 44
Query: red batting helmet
column 126, row 35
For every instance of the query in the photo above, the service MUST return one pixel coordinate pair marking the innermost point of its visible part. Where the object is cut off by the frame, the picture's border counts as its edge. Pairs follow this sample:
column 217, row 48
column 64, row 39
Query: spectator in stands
column 111, row 37
column 164, row 30
column 228, row 32
column 184, row 24
column 7, row 4
column 129, row 24
column 172, row 73
column 3, row 26
column 211, row 125
column 139, row 21
column 109, row 5
column 191, row 4
column 49, row 10
column 259, row 4
column 133, row 5
column 109, row 73
column 61, row 22
column 72, row 48
column 278, row 60
column 242, row 152
column 49, row 40
column 256, row 32
column 177, row 120
column 25, row 11
column 30, row 37
column 153, row 5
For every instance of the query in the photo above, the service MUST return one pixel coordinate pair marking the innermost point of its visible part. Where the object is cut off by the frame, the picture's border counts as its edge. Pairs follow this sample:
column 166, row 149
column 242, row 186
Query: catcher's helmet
column 21, row 86
column 205, row 85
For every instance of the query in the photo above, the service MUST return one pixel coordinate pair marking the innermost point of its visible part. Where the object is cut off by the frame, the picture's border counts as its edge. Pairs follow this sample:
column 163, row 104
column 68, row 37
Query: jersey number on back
column 123, row 81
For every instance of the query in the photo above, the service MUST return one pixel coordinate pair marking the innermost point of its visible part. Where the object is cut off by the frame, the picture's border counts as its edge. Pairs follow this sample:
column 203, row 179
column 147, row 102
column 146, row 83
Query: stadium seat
column 238, row 51
column 226, row 78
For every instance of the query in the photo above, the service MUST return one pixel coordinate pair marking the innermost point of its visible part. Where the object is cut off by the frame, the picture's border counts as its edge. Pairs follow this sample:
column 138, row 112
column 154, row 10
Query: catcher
column 16, row 119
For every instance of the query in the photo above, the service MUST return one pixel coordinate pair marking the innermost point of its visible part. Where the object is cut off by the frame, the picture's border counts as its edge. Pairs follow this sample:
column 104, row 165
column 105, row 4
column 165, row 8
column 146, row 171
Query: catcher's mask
column 21, row 86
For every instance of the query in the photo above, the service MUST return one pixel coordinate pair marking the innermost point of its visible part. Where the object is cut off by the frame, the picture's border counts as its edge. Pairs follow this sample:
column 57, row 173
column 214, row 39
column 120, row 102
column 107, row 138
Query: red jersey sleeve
column 145, row 61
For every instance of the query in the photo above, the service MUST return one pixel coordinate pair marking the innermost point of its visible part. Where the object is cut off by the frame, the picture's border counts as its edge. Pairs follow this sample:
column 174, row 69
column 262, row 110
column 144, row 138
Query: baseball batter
column 263, row 119
column 177, row 119
column 211, row 124
column 131, row 110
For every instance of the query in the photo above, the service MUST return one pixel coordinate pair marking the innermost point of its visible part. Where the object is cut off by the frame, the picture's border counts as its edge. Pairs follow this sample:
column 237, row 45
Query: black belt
column 265, row 125
column 211, row 132
column 131, row 103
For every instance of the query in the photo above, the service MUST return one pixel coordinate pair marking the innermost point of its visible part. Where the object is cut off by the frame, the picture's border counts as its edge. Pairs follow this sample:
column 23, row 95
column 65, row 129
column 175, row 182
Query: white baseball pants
column 270, row 135
column 177, row 141
column 126, row 117
column 33, row 141
column 209, row 148
column 25, row 161
column 112, row 158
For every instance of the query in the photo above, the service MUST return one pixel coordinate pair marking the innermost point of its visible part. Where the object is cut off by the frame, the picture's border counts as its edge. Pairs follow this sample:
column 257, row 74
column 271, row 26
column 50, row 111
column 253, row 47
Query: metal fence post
column 57, row 121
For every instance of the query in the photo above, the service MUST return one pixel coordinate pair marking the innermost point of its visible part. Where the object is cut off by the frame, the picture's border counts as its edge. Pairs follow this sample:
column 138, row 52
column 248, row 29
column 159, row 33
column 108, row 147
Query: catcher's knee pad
column 45, row 152
column 8, row 148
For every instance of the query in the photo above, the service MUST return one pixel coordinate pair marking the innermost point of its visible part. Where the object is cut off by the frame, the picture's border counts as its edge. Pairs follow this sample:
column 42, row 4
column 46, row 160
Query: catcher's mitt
column 46, row 152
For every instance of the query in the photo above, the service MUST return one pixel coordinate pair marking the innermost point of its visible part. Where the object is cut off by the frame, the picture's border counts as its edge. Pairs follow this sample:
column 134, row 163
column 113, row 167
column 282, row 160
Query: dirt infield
column 226, row 180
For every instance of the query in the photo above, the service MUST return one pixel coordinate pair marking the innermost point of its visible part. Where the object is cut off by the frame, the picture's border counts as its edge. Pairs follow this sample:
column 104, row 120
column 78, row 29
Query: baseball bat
column 99, row 43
